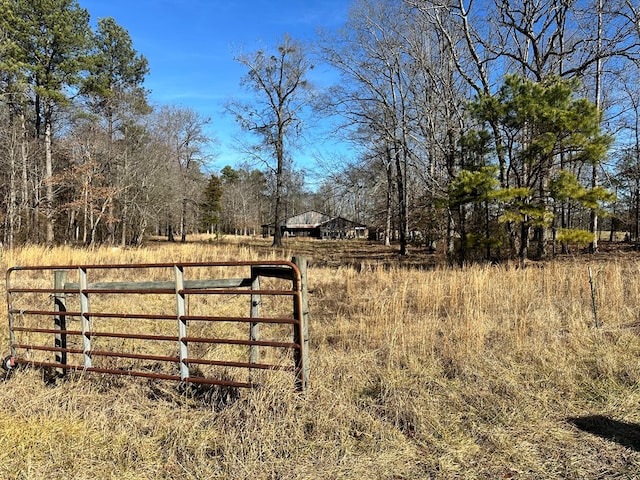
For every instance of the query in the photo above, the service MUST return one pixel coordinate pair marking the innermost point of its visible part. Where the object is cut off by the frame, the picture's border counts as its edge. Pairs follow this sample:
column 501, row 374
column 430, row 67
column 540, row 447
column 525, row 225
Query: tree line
column 500, row 129
column 491, row 129
column 84, row 157
column 497, row 129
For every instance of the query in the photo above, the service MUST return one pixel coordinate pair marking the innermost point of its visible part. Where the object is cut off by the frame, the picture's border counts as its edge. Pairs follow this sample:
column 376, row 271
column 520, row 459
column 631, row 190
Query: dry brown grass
column 482, row 372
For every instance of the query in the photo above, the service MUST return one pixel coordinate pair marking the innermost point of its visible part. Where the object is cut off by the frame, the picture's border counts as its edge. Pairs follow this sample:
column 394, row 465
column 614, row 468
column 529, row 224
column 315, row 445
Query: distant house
column 305, row 224
column 319, row 225
column 341, row 228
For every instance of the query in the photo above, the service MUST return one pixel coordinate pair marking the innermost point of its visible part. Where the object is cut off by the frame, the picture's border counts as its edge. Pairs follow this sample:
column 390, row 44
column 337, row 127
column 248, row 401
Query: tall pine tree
column 539, row 123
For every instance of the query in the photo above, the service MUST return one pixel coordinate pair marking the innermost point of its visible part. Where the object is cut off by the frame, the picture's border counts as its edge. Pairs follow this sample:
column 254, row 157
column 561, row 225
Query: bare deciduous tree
column 181, row 131
column 274, row 115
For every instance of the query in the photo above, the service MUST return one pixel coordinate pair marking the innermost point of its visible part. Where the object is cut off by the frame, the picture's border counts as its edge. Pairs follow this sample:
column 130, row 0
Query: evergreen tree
column 116, row 72
column 115, row 93
column 211, row 207
column 539, row 123
column 50, row 40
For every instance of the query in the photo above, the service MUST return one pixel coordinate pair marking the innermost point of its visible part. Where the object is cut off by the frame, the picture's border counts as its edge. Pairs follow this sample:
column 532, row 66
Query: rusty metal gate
column 218, row 323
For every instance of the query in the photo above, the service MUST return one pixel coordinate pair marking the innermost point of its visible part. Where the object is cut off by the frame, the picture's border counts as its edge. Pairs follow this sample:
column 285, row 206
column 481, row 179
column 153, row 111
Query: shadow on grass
column 626, row 434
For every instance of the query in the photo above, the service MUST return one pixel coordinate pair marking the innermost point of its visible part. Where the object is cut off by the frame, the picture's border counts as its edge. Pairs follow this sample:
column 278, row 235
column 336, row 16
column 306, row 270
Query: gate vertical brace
column 254, row 327
column 86, row 320
column 181, row 311
column 60, row 320
column 301, row 332
column 12, row 334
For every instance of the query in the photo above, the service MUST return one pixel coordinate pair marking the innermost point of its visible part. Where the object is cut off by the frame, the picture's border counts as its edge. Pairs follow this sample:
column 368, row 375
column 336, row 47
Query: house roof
column 309, row 219
column 313, row 219
column 340, row 222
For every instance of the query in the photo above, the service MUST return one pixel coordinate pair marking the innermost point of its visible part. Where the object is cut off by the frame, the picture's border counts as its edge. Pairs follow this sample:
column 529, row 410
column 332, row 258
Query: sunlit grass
column 415, row 373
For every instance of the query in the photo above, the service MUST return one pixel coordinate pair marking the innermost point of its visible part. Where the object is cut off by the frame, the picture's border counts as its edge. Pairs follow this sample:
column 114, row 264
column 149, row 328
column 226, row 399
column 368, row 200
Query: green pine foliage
column 473, row 186
column 533, row 133
column 211, row 207
column 116, row 70
column 51, row 40
column 566, row 187
column 574, row 236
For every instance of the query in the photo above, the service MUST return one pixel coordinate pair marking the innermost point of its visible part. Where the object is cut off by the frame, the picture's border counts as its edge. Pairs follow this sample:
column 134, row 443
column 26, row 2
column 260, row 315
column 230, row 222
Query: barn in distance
column 319, row 225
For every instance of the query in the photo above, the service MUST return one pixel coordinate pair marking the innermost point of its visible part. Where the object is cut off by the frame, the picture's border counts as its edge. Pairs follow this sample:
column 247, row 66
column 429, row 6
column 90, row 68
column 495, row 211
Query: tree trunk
column 85, row 212
column 113, row 175
column 11, row 208
column 277, row 236
column 48, row 180
column 541, row 230
column 636, row 226
column 25, row 213
column 388, row 217
column 463, row 236
column 451, row 244
column 402, row 198
column 389, row 200
column 183, row 221
column 593, row 247
column 524, row 243
column 123, row 231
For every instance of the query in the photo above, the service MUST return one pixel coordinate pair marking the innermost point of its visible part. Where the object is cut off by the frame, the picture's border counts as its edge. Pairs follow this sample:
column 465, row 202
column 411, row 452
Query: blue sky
column 190, row 45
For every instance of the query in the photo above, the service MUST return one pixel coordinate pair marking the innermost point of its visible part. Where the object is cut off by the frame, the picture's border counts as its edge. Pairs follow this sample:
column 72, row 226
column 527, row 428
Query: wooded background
column 489, row 129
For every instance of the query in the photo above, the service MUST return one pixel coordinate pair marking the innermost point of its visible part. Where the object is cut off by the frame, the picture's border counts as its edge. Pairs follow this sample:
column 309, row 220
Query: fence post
column 85, row 317
column 60, row 320
column 254, row 327
column 181, row 311
column 301, row 334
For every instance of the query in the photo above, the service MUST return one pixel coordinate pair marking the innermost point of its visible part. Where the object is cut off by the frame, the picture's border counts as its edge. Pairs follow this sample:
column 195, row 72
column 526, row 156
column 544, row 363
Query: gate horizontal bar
column 140, row 316
column 222, row 363
column 233, row 341
column 148, row 316
column 137, row 373
column 151, row 287
column 127, row 266
column 204, row 318
column 135, row 336
column 99, row 353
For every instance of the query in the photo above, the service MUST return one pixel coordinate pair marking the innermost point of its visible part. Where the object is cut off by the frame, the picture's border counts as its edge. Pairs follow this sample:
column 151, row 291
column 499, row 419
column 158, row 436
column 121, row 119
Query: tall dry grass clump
column 482, row 372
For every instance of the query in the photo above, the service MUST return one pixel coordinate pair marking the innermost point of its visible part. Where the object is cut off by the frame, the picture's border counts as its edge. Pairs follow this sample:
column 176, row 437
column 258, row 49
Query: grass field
column 417, row 372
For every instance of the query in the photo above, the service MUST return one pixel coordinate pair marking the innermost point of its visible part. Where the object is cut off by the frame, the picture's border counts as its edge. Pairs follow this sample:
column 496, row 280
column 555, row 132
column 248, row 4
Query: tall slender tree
column 182, row 132
column 274, row 115
column 115, row 92
column 211, row 206
column 52, row 44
